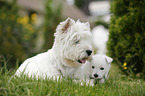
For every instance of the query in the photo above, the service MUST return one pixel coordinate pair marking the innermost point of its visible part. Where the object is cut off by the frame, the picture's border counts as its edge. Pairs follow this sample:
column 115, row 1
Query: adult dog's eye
column 101, row 68
column 93, row 67
column 77, row 41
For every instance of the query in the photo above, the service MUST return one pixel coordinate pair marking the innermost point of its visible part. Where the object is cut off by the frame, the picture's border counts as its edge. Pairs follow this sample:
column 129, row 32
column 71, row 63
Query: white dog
column 72, row 48
column 96, row 69
column 100, row 66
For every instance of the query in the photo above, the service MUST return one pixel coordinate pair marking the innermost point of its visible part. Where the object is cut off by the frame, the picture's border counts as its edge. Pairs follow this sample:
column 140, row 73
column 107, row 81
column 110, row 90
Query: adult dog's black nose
column 89, row 52
column 95, row 75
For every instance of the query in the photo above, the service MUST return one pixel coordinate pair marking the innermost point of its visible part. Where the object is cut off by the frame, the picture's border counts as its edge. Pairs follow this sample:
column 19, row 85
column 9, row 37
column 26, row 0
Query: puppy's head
column 100, row 66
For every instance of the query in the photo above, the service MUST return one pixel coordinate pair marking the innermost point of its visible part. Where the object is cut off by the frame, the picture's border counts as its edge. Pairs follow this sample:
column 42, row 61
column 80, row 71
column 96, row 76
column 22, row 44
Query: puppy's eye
column 76, row 42
column 93, row 67
column 101, row 68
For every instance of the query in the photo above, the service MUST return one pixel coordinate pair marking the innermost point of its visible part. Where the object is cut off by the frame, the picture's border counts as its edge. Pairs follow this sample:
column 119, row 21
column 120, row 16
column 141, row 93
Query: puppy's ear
column 68, row 23
column 108, row 59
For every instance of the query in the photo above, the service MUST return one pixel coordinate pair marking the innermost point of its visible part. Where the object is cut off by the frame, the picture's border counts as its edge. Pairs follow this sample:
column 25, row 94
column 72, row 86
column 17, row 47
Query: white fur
column 82, row 74
column 72, row 39
column 100, row 65
column 86, row 72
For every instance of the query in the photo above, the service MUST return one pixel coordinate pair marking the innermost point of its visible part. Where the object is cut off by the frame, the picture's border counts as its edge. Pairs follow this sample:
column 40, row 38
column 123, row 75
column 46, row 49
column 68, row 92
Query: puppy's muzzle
column 95, row 75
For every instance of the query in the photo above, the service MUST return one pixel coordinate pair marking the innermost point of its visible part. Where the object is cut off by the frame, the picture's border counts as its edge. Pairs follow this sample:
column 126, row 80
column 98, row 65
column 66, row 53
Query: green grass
column 117, row 85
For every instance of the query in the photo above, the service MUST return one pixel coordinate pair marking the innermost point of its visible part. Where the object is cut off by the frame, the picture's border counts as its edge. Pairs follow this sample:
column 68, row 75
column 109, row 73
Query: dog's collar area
column 72, row 63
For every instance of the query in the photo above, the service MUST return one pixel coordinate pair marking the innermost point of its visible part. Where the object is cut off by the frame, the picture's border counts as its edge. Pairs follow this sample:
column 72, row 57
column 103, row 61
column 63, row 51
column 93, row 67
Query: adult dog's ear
column 108, row 59
column 67, row 24
column 87, row 24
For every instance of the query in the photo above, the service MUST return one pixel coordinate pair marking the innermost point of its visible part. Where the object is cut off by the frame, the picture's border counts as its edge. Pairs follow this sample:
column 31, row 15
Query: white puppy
column 100, row 66
column 96, row 69
column 72, row 47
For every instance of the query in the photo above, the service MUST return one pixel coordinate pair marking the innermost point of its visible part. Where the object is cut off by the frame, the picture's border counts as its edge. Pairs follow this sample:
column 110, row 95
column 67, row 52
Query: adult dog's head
column 73, row 42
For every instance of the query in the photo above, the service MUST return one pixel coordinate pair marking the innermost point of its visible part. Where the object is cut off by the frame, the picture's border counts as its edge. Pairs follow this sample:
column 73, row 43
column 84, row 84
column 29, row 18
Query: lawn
column 117, row 85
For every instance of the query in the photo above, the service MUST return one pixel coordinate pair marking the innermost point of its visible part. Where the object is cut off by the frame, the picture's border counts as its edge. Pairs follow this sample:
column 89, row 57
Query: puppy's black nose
column 95, row 75
column 89, row 52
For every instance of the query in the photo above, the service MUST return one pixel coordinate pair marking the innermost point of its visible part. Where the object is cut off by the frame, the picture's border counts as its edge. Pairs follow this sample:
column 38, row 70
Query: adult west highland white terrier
column 72, row 48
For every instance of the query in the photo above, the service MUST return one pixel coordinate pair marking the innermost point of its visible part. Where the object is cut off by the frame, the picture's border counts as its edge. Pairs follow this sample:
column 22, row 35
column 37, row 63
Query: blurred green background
column 26, row 31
